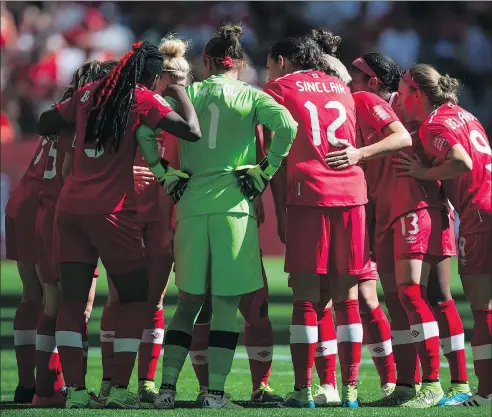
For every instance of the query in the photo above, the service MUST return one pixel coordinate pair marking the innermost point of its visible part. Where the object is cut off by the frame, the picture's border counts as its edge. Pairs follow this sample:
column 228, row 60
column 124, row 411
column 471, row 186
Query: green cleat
column 398, row 397
column 349, row 396
column 218, row 401
column 80, row 398
column 105, row 390
column 430, row 395
column 299, row 399
column 457, row 393
column 122, row 398
column 147, row 392
column 265, row 394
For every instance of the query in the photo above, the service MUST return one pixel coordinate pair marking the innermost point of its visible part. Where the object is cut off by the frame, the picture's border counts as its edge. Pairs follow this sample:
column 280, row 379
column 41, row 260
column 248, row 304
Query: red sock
column 151, row 346
column 452, row 336
column 69, row 329
column 127, row 341
column 25, row 322
column 303, row 341
column 482, row 350
column 85, row 345
column 199, row 352
column 109, row 321
column 377, row 337
column 349, row 338
column 424, row 329
column 326, row 348
column 48, row 368
column 404, row 352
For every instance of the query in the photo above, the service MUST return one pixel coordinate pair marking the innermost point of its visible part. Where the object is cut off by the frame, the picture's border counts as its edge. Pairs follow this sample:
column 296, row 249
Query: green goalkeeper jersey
column 229, row 112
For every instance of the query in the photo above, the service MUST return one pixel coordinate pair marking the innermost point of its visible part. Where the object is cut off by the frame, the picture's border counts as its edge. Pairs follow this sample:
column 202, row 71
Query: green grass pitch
column 238, row 383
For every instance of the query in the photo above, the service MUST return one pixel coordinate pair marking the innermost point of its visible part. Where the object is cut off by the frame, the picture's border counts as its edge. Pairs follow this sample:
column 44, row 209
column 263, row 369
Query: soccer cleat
column 476, row 401
column 265, row 394
column 430, row 395
column 302, row 398
column 456, row 394
column 349, row 397
column 122, row 398
column 399, row 396
column 80, row 398
column 218, row 401
column 327, row 395
column 24, row 395
column 387, row 389
column 201, row 394
column 57, row 400
column 165, row 399
column 105, row 390
column 147, row 392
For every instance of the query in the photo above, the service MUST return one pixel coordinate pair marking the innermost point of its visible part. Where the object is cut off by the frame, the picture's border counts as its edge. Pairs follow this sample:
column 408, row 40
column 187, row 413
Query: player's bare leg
column 377, row 334
column 349, row 334
column 177, row 344
column 478, row 290
column 411, row 279
column 25, row 323
column 451, row 330
column 87, row 315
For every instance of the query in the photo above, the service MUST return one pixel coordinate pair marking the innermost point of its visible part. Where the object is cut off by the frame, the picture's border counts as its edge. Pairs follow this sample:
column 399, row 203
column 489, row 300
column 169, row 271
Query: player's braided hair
column 90, row 72
column 386, row 70
column 302, row 51
column 109, row 117
column 326, row 40
column 225, row 48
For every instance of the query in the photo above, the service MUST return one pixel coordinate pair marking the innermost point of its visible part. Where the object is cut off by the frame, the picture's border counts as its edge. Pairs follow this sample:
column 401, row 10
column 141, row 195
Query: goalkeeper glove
column 174, row 180
column 253, row 179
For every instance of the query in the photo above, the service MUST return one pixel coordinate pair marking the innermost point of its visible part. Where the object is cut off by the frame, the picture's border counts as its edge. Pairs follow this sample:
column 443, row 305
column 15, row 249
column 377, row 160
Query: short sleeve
column 153, row 109
column 436, row 140
column 374, row 111
column 273, row 89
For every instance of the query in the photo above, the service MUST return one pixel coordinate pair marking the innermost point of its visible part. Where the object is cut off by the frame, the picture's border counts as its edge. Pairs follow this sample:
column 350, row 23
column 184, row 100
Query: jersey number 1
column 330, row 131
column 214, row 123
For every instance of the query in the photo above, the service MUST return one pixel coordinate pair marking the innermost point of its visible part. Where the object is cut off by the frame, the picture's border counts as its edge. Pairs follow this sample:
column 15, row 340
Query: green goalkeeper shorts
column 218, row 250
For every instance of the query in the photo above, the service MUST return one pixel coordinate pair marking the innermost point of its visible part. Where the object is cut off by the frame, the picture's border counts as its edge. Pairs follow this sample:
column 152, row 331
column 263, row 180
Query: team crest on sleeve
column 380, row 113
column 86, row 96
column 439, row 142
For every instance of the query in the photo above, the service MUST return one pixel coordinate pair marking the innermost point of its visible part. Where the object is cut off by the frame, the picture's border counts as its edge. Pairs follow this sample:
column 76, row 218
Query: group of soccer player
column 143, row 171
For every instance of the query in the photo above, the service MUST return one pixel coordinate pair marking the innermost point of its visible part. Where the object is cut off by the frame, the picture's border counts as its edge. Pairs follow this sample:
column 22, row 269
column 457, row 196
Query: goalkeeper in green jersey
column 216, row 230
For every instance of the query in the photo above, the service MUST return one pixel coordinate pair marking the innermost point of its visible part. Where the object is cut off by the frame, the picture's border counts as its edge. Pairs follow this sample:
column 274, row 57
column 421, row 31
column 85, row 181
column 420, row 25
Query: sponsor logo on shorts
column 411, row 239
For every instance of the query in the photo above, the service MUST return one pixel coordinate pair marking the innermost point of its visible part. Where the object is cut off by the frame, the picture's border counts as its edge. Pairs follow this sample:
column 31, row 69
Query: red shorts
column 326, row 240
column 45, row 243
column 115, row 238
column 20, row 244
column 474, row 256
column 370, row 273
column 415, row 235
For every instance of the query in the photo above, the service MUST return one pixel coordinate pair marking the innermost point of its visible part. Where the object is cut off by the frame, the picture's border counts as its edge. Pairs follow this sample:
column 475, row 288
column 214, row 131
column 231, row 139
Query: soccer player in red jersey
column 325, row 219
column 48, row 370
column 458, row 146
column 95, row 213
column 379, row 74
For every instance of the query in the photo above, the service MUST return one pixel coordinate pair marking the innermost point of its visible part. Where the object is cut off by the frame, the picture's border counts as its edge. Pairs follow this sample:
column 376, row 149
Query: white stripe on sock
column 424, row 331
column 303, row 334
column 453, row 343
column 126, row 345
column 380, row 350
column 350, row 333
column 326, row 348
column 68, row 339
column 154, row 336
column 401, row 337
column 24, row 337
column 482, row 352
column 260, row 354
column 199, row 357
column 46, row 343
column 107, row 336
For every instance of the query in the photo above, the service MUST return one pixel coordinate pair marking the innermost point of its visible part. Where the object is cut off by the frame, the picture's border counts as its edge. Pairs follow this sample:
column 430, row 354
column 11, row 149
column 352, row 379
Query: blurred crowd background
column 43, row 42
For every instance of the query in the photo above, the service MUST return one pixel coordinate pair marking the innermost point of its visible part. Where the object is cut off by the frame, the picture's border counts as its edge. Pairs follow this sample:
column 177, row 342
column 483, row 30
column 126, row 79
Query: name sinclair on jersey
column 320, row 87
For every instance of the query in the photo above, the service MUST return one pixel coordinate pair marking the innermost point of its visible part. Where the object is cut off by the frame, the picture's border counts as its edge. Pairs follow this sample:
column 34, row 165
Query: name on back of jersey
column 463, row 118
column 320, row 87
column 219, row 89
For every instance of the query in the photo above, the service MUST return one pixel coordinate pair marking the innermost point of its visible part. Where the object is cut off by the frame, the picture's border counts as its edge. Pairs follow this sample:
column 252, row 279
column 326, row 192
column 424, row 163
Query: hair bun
column 173, row 47
column 327, row 41
column 230, row 32
column 448, row 84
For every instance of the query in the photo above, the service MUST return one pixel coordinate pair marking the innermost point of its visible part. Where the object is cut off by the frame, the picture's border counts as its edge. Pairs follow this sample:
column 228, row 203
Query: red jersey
column 102, row 182
column 469, row 193
column 324, row 109
column 149, row 201
column 393, row 196
column 53, row 179
column 31, row 182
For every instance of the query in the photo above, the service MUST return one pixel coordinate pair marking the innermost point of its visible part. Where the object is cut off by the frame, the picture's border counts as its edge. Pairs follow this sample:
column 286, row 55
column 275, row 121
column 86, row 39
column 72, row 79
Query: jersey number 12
column 330, row 131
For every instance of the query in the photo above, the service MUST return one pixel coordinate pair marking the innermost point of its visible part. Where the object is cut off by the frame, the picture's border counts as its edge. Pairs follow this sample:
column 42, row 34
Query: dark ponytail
column 225, row 49
column 303, row 52
column 326, row 40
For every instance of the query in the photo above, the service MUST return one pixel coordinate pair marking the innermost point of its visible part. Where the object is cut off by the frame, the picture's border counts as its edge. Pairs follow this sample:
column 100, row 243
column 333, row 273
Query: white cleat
column 476, row 401
column 327, row 395
column 387, row 389
column 165, row 399
column 218, row 401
